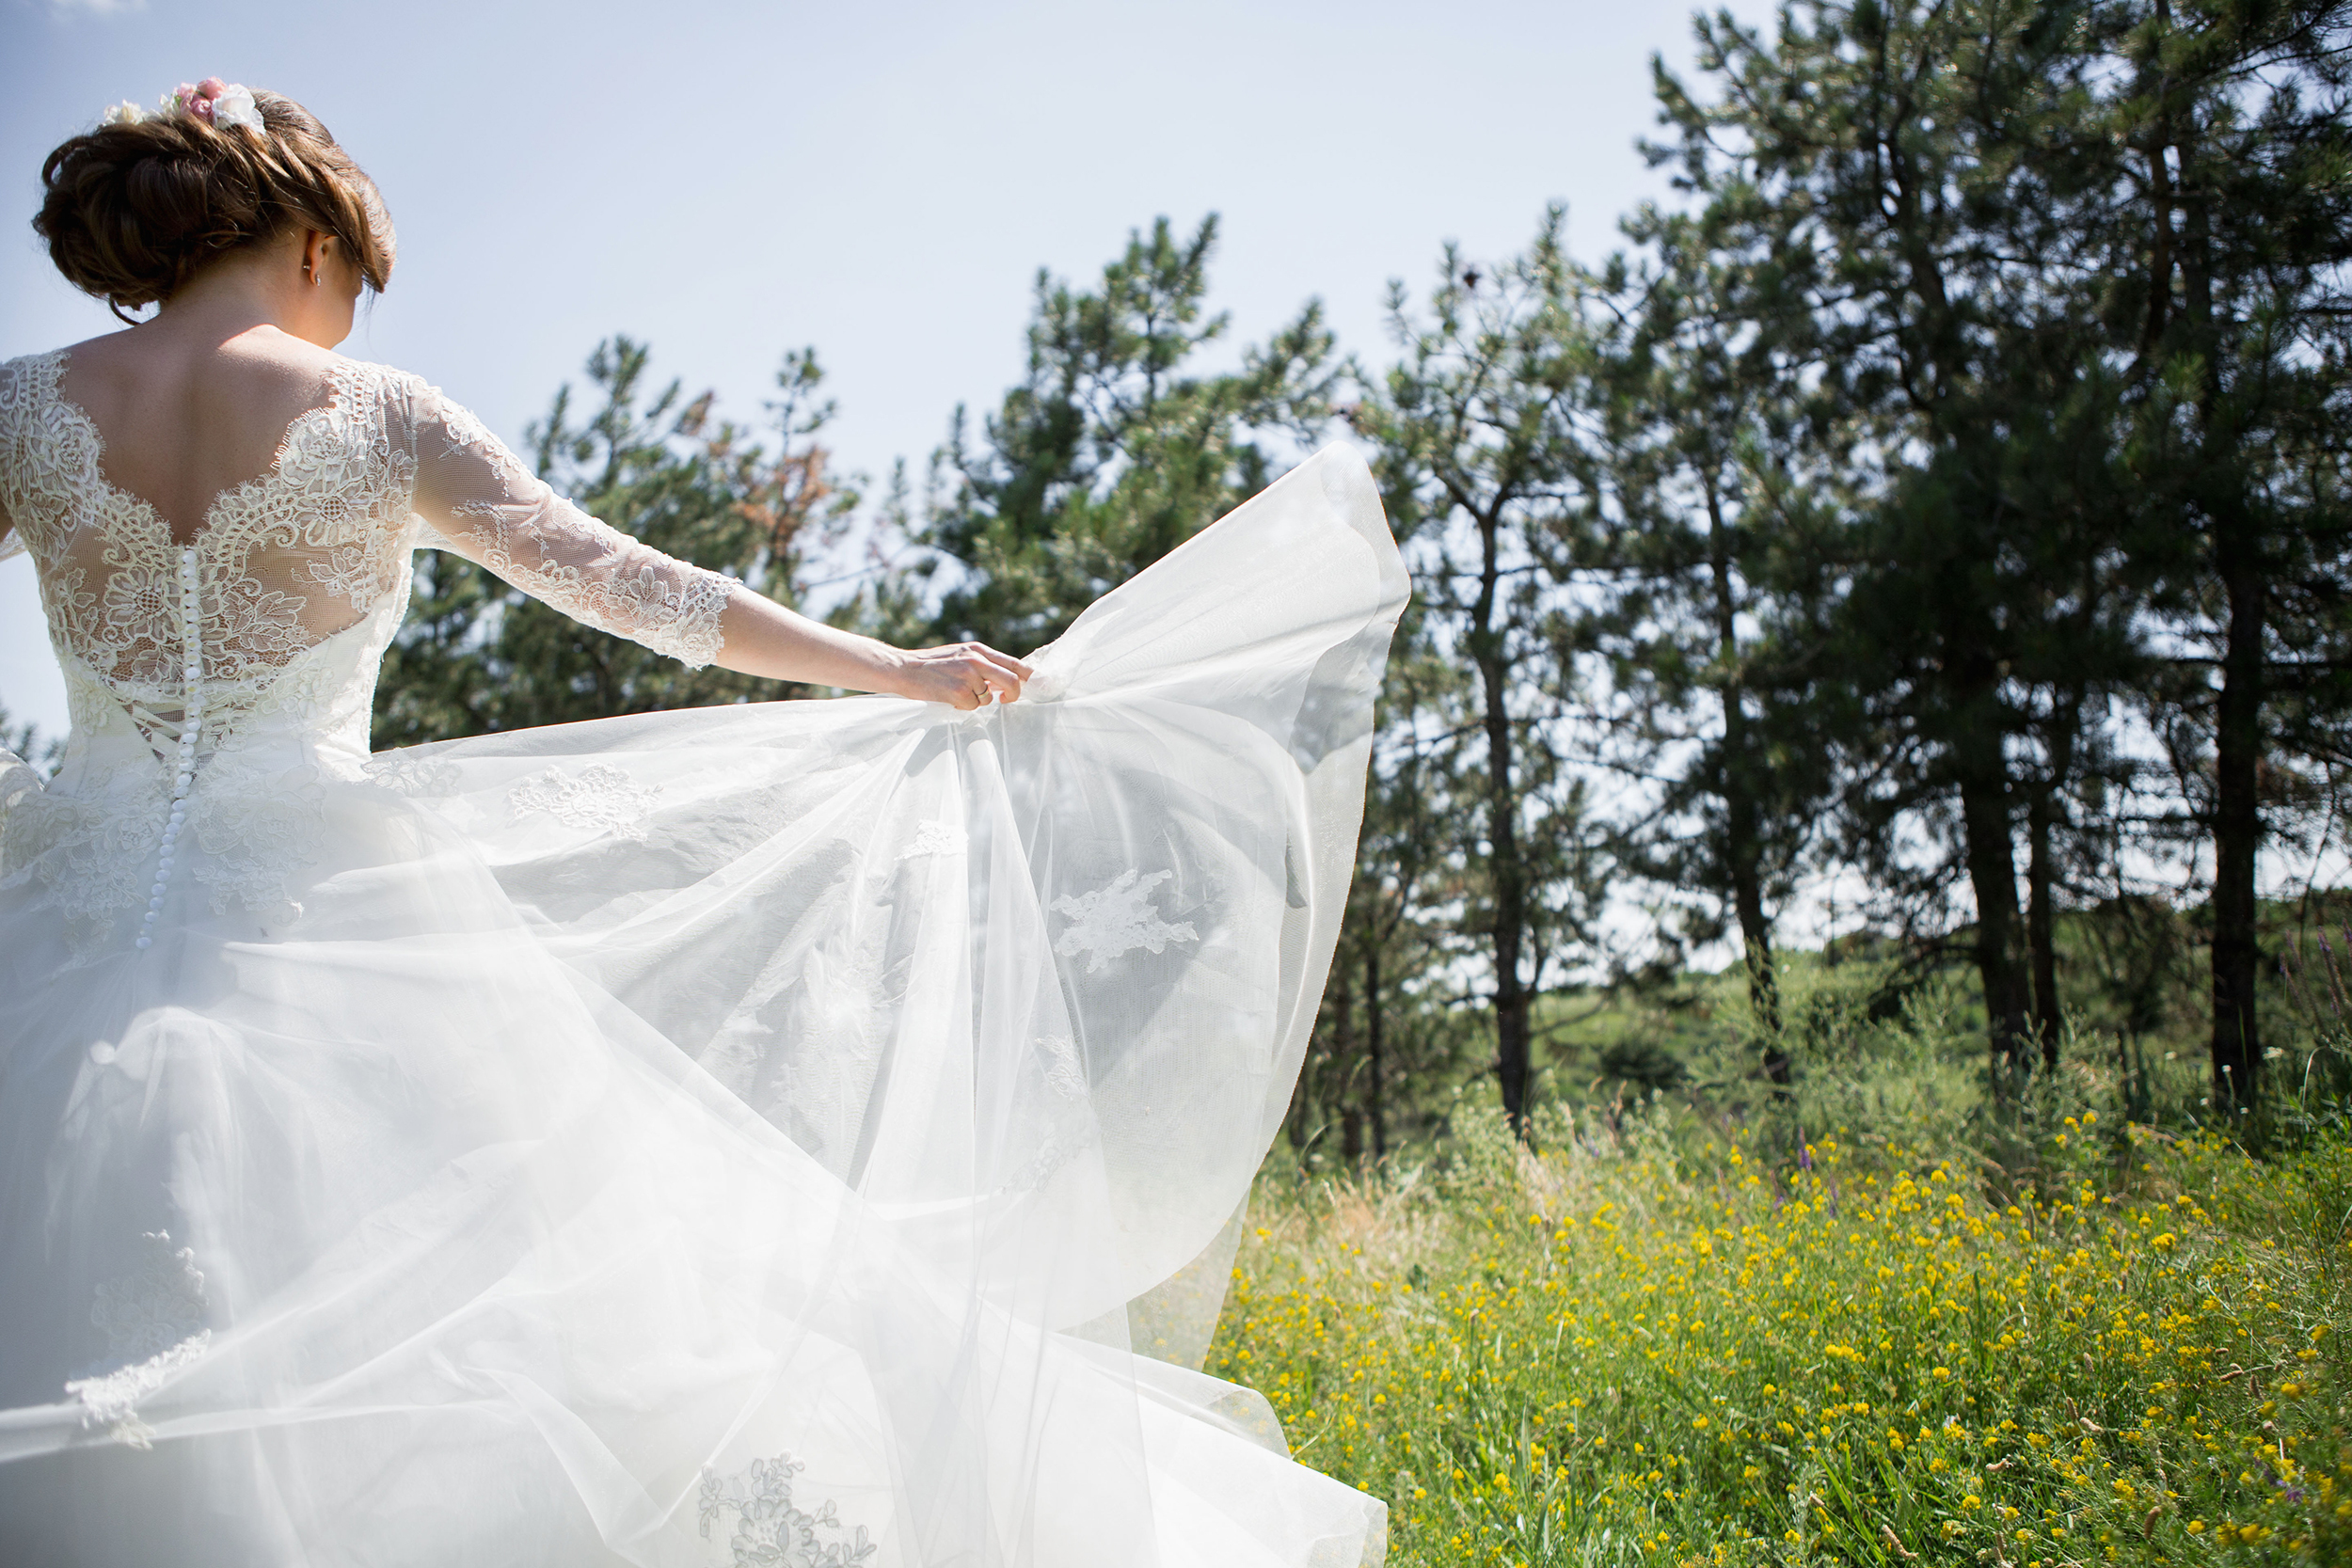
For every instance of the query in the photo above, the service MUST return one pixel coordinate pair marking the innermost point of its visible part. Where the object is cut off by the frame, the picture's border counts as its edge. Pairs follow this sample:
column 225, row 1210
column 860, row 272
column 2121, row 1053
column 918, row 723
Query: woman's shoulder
column 398, row 390
column 387, row 384
column 284, row 357
column 27, row 369
column 261, row 367
column 372, row 371
column 28, row 383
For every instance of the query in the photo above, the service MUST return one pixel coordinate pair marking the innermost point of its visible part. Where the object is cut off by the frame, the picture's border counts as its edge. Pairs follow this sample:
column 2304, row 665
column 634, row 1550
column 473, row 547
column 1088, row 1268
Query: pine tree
column 1117, row 446
column 1480, row 461
column 2232, row 244
column 1915, row 193
column 1696, row 507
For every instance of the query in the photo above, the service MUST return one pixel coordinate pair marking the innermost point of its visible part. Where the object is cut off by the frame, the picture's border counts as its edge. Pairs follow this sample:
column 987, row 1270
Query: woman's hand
column 762, row 637
column 962, row 675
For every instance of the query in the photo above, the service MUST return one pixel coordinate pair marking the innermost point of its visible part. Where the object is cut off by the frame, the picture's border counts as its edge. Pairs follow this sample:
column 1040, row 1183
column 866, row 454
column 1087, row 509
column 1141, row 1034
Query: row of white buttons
column 184, row 773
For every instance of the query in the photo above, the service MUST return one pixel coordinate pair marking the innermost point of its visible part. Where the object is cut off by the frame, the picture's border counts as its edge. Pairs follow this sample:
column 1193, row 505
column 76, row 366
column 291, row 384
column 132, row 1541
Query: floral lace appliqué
column 155, row 1318
column 599, row 798
column 1047, row 1159
column 257, row 830
column 161, row 1305
column 771, row 1532
column 85, row 854
column 414, row 776
column 17, row 781
column 1118, row 919
column 1063, row 1074
column 935, row 837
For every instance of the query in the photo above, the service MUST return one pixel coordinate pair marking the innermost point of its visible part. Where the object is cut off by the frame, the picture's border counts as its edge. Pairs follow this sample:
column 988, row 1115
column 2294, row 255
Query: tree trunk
column 1341, row 1056
column 1993, row 879
column 1982, row 771
column 1508, row 877
column 1742, row 847
column 2042, row 876
column 1978, row 733
column 2236, row 1046
column 2236, row 830
column 1375, row 1102
column 1763, row 985
column 2041, row 921
column 1511, row 998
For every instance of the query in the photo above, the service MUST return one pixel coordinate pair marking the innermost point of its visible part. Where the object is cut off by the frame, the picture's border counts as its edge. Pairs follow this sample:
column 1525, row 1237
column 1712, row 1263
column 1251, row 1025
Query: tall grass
column 1872, row 1324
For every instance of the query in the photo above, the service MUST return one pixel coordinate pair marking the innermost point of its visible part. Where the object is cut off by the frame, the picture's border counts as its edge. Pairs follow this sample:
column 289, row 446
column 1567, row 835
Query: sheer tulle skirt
column 801, row 1133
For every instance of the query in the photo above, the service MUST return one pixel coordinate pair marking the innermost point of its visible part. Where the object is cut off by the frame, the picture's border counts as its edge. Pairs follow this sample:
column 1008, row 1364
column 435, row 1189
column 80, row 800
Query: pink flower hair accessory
column 217, row 103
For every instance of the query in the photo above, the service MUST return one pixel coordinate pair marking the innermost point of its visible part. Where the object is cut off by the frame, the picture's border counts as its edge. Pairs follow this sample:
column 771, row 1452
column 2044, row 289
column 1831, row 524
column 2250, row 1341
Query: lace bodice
column 272, row 619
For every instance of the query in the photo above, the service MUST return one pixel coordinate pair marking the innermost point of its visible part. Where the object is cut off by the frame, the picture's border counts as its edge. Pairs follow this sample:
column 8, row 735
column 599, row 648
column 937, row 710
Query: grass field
column 1674, row 1338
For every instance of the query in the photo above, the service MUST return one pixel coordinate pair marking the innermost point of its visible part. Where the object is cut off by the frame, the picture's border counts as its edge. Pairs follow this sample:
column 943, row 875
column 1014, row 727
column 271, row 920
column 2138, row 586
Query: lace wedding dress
column 790, row 1135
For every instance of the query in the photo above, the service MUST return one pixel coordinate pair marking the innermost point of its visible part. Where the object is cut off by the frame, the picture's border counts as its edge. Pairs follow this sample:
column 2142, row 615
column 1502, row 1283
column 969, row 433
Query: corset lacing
column 183, row 770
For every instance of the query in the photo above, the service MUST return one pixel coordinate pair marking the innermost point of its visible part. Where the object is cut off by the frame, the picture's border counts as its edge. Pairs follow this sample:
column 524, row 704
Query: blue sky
column 882, row 182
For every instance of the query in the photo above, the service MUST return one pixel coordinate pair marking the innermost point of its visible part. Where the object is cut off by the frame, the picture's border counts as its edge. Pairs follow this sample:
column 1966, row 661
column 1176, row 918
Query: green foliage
column 477, row 656
column 1396, row 1037
column 1117, row 446
column 1885, row 1036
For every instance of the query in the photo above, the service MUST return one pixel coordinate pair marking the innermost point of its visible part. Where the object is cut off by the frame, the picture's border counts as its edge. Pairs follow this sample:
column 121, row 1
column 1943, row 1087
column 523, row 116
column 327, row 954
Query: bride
column 801, row 1133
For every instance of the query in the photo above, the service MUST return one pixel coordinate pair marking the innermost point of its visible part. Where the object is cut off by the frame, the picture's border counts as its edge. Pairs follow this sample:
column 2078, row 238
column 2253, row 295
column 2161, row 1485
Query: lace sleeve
column 486, row 506
column 11, row 398
column 11, row 537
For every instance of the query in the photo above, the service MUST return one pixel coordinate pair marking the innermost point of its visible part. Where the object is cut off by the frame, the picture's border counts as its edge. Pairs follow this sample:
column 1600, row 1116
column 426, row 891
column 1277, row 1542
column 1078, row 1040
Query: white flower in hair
column 235, row 106
column 124, row 113
column 216, row 102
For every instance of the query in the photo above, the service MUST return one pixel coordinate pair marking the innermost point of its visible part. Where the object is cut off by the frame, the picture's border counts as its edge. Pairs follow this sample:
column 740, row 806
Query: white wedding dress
column 789, row 1135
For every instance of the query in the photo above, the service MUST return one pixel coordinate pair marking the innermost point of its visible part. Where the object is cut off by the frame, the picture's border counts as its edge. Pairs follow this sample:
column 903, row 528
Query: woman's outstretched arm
column 488, row 507
column 761, row 637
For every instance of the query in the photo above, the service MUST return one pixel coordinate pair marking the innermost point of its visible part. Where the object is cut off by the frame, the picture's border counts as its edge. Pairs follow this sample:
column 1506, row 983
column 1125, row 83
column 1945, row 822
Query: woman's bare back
column 185, row 420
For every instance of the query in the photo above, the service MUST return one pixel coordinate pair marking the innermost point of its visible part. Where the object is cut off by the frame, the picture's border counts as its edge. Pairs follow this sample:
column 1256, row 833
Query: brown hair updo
column 134, row 208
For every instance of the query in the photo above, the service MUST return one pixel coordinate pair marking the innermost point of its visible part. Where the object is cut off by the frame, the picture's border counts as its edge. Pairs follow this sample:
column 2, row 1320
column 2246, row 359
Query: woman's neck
column 261, row 288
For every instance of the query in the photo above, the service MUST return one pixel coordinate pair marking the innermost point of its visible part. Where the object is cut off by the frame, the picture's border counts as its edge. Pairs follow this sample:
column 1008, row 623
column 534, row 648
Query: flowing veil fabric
column 800, row 1133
